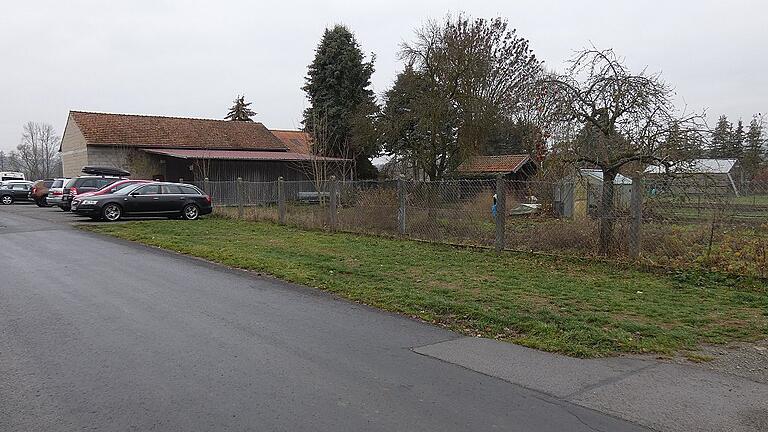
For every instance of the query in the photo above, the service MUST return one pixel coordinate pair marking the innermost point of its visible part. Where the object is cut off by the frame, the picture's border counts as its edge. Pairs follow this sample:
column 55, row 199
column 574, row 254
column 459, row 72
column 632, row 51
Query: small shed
column 579, row 194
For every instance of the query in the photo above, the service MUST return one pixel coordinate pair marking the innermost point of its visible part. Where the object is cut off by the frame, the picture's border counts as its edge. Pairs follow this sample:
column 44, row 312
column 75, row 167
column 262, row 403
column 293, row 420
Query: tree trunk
column 607, row 213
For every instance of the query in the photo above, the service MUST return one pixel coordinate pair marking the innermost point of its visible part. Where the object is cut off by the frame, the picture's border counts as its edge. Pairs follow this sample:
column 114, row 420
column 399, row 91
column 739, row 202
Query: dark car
column 83, row 184
column 14, row 190
column 39, row 192
column 173, row 200
column 108, row 189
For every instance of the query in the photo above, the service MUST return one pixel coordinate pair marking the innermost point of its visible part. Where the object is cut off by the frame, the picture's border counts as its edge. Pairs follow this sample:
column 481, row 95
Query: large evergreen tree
column 721, row 144
column 342, row 103
column 240, row 111
column 736, row 149
column 753, row 148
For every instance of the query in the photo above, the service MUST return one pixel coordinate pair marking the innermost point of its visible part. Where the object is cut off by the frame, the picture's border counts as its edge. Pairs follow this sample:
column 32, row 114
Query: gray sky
column 191, row 58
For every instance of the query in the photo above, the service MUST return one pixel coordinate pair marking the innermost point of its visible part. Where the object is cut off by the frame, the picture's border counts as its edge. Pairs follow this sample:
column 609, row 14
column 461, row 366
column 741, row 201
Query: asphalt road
column 102, row 334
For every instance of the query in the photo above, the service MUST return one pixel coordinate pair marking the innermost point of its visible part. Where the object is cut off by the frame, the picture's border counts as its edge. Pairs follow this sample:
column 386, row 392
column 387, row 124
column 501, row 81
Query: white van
column 11, row 175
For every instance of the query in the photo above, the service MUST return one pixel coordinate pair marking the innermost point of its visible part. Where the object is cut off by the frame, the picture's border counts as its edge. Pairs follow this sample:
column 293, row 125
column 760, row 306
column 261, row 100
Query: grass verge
column 584, row 309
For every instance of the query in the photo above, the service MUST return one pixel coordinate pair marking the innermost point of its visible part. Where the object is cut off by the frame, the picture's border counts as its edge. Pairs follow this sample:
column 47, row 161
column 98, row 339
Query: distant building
column 699, row 176
column 173, row 148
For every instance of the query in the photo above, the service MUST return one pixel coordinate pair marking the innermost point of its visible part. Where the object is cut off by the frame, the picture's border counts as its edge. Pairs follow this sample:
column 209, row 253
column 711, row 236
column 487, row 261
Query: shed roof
column 598, row 175
column 174, row 132
column 697, row 166
column 494, row 164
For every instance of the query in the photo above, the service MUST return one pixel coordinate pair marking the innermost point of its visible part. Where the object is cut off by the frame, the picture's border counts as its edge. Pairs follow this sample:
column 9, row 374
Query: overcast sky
column 191, row 58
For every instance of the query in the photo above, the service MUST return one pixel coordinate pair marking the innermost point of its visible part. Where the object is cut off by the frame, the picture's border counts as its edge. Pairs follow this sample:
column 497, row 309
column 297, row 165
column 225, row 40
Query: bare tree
column 202, row 166
column 463, row 78
column 320, row 166
column 616, row 120
column 37, row 154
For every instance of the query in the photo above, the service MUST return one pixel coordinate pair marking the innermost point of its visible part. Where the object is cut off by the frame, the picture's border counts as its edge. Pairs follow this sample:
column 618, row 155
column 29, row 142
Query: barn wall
column 218, row 170
column 74, row 150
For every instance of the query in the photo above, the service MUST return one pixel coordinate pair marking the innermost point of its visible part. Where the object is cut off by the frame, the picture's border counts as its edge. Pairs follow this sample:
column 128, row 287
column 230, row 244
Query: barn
column 187, row 149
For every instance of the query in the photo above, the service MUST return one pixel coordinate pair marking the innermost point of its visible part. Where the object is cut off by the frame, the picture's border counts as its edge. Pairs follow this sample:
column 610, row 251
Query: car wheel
column 6, row 200
column 190, row 212
column 40, row 203
column 65, row 208
column 111, row 212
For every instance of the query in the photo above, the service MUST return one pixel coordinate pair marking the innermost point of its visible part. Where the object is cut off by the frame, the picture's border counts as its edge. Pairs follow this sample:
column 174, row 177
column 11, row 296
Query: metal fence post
column 239, row 192
column 636, row 211
column 401, row 205
column 281, row 200
column 334, row 187
column 207, row 186
column 500, row 212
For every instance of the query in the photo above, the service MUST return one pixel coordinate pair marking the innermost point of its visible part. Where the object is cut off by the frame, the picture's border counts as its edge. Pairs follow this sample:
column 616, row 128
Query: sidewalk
column 662, row 396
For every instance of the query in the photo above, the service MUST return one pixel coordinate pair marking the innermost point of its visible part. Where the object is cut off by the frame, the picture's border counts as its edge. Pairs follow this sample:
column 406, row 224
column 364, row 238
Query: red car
column 111, row 188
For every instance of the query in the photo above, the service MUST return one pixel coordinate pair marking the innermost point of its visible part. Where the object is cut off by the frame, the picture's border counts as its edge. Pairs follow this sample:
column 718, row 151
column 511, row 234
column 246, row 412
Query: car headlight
column 89, row 202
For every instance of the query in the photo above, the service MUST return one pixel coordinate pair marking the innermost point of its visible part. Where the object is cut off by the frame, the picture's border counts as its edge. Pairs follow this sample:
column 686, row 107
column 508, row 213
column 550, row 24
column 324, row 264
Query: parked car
column 83, row 184
column 95, row 179
column 14, row 190
column 55, row 191
column 173, row 200
column 109, row 189
column 40, row 192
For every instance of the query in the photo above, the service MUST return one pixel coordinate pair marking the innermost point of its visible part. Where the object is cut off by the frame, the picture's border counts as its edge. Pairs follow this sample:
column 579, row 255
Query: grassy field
column 579, row 308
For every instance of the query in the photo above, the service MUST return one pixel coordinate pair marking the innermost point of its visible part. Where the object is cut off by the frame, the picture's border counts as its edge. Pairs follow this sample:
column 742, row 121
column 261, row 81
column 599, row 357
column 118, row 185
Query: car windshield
column 57, row 183
column 70, row 183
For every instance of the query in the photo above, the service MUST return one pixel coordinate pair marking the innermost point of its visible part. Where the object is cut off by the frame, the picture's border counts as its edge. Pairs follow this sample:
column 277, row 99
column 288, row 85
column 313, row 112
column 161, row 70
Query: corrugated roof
column 174, row 132
column 237, row 155
column 494, row 164
column 697, row 166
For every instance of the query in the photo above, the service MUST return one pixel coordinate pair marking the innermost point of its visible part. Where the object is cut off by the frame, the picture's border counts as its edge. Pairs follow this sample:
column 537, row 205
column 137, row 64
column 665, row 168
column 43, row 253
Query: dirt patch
column 745, row 359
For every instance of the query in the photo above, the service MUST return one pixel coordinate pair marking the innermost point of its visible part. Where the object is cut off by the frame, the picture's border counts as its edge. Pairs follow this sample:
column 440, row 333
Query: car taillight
column 55, row 193
column 73, row 191
column 34, row 190
column 208, row 198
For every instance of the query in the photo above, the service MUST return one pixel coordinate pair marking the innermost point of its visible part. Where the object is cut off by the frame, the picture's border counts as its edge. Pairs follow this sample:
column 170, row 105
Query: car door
column 173, row 199
column 144, row 200
column 20, row 191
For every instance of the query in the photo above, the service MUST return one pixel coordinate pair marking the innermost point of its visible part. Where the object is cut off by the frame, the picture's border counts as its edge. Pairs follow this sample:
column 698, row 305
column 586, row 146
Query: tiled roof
column 259, row 155
column 494, row 164
column 296, row 140
column 174, row 132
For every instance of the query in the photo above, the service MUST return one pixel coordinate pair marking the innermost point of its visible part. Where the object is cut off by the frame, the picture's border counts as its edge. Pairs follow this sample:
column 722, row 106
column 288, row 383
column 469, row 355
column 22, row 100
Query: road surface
column 102, row 334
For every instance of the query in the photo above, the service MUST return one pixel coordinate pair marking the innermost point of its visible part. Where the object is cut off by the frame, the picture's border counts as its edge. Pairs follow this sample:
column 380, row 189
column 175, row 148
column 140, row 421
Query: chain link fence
column 679, row 224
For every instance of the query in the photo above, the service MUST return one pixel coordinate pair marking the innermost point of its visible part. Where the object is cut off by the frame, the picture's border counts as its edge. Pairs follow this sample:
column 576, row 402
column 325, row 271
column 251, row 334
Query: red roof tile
column 174, row 132
column 296, row 140
column 260, row 155
column 494, row 164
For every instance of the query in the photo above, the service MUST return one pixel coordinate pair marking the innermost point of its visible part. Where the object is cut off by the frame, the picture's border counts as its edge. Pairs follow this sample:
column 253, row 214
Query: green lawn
column 574, row 307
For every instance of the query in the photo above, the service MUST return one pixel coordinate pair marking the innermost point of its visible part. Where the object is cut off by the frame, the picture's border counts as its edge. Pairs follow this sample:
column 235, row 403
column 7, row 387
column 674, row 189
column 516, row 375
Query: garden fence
column 679, row 224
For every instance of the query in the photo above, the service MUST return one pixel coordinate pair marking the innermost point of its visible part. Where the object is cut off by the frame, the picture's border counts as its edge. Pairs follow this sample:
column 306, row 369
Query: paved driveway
column 102, row 334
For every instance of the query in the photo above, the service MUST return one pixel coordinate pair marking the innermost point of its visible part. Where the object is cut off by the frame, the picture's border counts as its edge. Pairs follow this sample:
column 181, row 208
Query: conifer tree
column 240, row 111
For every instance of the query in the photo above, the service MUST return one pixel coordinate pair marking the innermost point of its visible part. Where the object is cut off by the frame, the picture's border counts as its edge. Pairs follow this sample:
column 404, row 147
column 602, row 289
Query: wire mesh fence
column 676, row 224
